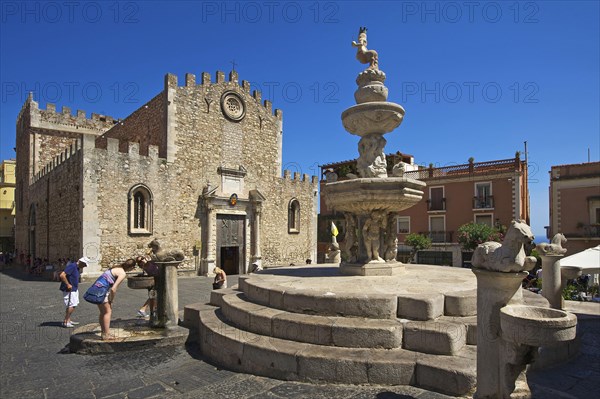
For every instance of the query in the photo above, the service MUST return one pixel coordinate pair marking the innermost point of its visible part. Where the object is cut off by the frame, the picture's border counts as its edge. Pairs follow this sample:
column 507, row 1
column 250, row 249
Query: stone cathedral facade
column 198, row 167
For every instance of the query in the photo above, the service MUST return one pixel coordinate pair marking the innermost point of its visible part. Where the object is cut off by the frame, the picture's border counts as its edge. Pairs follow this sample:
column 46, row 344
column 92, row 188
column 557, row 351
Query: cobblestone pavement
column 35, row 364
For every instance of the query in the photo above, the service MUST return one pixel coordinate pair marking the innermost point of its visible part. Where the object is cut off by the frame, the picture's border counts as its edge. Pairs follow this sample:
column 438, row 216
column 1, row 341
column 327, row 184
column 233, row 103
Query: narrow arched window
column 294, row 216
column 140, row 210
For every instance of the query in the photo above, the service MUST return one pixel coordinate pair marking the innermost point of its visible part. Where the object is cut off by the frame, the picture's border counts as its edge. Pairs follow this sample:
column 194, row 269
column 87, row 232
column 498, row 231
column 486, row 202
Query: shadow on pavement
column 18, row 272
column 51, row 324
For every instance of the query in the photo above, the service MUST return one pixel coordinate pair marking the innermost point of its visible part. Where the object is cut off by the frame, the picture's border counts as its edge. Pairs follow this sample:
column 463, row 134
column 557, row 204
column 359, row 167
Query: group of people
column 6, row 258
column 113, row 278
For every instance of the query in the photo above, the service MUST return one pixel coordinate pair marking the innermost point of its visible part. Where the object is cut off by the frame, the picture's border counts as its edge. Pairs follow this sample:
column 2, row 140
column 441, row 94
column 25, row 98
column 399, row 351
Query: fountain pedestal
column 551, row 280
column 494, row 291
column 167, row 295
column 509, row 334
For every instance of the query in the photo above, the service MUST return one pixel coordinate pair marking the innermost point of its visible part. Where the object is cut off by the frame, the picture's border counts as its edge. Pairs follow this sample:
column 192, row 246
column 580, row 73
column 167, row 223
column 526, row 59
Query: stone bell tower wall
column 146, row 126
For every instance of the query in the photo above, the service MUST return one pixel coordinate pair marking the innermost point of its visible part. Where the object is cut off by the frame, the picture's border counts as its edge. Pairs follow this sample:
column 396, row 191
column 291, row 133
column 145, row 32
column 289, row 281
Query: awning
column 587, row 261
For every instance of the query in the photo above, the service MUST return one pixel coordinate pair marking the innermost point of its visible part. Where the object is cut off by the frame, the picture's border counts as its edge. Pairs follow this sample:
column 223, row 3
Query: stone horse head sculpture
column 555, row 247
column 160, row 254
column 508, row 256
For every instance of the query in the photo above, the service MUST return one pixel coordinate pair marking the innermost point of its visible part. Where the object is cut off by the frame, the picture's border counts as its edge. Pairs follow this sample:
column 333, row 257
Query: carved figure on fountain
column 399, row 169
column 391, row 239
column 508, row 256
column 363, row 55
column 372, row 236
column 555, row 247
column 371, row 161
column 351, row 239
column 160, row 254
column 333, row 254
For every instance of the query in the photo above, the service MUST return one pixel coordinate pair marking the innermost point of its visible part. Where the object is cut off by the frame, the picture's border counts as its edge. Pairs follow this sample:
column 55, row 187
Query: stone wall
column 56, row 198
column 45, row 139
column 145, row 126
column 279, row 247
column 110, row 175
column 207, row 140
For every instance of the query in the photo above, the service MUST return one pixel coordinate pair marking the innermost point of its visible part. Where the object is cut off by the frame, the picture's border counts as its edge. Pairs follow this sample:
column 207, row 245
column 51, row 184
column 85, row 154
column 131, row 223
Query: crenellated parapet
column 65, row 156
column 133, row 149
column 113, row 147
column 232, row 81
column 49, row 119
column 300, row 178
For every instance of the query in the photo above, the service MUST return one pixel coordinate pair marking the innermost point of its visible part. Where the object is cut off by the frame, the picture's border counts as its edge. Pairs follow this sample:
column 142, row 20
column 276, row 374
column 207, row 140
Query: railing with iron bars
column 483, row 202
column 438, row 236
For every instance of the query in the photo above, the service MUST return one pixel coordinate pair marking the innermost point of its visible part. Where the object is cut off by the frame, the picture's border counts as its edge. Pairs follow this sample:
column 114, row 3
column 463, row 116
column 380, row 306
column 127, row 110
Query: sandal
column 109, row 337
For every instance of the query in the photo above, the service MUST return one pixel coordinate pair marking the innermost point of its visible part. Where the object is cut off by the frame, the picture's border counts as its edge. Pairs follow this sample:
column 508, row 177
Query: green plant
column 417, row 242
column 343, row 170
column 470, row 235
column 593, row 290
column 571, row 292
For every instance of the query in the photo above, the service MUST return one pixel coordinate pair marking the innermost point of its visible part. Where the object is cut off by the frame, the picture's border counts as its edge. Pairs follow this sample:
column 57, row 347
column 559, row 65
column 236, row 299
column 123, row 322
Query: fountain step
column 315, row 329
column 414, row 306
column 446, row 335
column 434, row 337
column 216, row 296
column 191, row 315
column 374, row 306
column 245, row 351
column 470, row 323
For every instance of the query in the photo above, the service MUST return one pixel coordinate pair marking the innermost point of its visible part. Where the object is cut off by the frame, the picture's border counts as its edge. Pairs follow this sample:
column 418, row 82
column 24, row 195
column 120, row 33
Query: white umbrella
column 587, row 261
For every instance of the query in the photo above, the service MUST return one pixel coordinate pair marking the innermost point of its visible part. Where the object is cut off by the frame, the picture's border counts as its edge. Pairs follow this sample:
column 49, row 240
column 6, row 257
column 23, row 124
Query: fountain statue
column 508, row 256
column 509, row 333
column 371, row 200
column 552, row 279
column 165, row 283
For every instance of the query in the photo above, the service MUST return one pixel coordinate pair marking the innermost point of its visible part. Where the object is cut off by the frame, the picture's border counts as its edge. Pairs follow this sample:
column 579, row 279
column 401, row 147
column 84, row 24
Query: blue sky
column 477, row 79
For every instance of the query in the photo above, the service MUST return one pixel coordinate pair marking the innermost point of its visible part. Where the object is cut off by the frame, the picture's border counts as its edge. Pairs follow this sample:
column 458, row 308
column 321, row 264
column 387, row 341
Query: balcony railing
column 436, row 205
column 483, row 202
column 438, row 236
column 586, row 231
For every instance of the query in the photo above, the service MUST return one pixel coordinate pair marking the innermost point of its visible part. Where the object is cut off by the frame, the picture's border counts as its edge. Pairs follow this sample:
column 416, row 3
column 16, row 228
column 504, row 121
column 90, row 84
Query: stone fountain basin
column 140, row 282
column 361, row 196
column 536, row 326
column 372, row 117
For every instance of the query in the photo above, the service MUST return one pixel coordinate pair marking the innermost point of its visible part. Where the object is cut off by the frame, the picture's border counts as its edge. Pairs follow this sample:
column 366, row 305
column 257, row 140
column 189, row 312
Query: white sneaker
column 68, row 325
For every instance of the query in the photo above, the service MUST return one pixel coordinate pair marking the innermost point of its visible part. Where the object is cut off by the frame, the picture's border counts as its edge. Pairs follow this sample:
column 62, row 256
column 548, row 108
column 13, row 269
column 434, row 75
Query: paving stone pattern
column 35, row 364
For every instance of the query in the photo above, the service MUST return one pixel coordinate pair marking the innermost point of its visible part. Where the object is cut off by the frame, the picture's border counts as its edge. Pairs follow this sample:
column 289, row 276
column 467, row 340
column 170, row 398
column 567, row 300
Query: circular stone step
column 421, row 292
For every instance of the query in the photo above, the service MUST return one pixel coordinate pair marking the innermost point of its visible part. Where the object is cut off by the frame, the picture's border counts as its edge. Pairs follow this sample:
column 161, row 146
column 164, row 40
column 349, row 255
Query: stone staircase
column 297, row 334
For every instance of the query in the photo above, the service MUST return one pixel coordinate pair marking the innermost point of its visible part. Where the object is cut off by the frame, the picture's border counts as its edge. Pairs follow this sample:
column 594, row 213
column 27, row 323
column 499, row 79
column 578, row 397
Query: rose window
column 233, row 106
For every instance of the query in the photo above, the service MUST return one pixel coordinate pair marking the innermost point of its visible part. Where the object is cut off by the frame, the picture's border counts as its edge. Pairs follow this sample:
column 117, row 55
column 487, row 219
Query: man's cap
column 85, row 260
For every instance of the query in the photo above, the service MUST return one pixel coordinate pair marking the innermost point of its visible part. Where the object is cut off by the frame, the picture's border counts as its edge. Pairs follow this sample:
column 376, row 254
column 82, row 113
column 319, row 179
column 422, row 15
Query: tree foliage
column 470, row 235
column 417, row 242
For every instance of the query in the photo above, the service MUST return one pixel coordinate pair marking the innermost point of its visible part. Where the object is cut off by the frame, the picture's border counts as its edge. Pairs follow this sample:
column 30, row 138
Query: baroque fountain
column 373, row 320
column 371, row 200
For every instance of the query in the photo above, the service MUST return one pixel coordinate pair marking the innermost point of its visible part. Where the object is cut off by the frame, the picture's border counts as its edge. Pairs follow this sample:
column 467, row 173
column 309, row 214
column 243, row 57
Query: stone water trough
column 537, row 326
column 140, row 282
